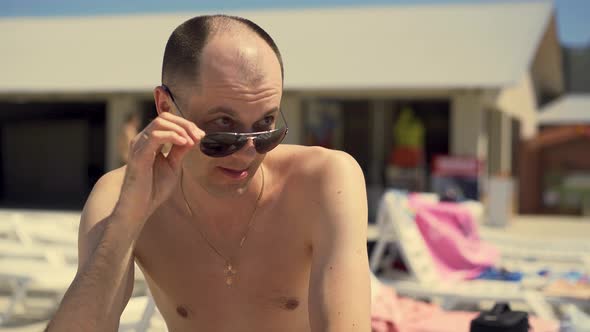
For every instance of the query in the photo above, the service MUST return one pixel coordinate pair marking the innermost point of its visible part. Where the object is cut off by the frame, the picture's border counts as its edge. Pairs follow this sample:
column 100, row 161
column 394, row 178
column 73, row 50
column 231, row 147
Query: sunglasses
column 222, row 144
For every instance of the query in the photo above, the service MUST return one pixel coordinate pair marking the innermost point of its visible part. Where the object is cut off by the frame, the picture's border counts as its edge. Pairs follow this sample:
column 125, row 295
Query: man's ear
column 162, row 100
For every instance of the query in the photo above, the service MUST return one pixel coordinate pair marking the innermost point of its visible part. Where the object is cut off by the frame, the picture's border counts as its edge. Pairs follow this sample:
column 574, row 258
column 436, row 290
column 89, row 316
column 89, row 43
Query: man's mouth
column 236, row 174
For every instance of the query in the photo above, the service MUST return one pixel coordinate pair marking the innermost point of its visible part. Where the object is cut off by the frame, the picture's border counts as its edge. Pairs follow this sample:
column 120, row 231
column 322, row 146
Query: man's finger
column 162, row 124
column 176, row 155
column 150, row 143
column 195, row 132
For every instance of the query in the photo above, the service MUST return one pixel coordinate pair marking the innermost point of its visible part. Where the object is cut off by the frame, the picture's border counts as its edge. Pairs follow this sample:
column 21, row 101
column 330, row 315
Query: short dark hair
column 182, row 56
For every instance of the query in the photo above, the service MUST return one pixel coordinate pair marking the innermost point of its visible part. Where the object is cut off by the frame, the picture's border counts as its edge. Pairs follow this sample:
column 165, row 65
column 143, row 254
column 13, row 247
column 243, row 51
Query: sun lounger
column 425, row 281
column 141, row 314
column 27, row 276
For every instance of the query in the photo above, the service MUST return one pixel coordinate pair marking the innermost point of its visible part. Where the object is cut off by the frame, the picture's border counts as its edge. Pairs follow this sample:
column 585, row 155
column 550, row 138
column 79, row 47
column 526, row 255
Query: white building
column 476, row 74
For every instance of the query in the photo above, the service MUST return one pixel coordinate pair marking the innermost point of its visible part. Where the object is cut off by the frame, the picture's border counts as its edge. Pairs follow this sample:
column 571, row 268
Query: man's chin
column 229, row 189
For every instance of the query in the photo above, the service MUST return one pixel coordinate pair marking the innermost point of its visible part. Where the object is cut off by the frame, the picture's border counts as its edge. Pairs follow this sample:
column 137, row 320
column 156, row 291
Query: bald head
column 215, row 40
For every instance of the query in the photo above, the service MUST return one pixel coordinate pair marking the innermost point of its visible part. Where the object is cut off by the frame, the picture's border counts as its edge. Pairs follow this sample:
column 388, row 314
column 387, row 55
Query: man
column 231, row 234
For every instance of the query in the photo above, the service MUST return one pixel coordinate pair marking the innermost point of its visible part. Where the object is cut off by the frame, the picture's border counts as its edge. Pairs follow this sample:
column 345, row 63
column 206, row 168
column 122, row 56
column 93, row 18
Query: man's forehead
column 238, row 113
column 249, row 59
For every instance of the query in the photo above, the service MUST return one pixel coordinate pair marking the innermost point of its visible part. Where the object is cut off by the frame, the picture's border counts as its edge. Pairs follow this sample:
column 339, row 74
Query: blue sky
column 572, row 15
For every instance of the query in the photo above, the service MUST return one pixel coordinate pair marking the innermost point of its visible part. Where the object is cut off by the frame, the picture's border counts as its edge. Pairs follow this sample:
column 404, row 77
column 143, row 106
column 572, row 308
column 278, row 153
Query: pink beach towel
column 390, row 313
column 450, row 233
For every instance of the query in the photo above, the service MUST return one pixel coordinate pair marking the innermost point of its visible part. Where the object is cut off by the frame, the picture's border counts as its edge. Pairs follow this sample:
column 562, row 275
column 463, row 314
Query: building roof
column 486, row 45
column 568, row 110
column 558, row 136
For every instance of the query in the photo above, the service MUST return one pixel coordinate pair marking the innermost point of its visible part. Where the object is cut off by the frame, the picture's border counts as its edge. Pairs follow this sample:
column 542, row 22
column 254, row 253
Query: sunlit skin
column 303, row 265
column 240, row 91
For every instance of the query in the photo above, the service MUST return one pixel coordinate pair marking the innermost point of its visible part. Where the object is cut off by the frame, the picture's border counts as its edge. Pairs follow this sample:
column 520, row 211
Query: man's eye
column 267, row 121
column 264, row 124
column 224, row 122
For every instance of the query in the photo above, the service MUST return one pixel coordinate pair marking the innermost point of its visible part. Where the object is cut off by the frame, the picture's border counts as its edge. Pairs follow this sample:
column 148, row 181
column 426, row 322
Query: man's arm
column 104, row 282
column 116, row 211
column 339, row 292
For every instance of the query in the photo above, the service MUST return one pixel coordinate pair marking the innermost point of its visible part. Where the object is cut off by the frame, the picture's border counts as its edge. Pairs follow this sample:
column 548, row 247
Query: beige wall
column 468, row 135
column 468, row 116
column 481, row 123
column 520, row 102
column 494, row 127
column 292, row 109
column 547, row 66
column 506, row 141
column 118, row 106
column 500, row 142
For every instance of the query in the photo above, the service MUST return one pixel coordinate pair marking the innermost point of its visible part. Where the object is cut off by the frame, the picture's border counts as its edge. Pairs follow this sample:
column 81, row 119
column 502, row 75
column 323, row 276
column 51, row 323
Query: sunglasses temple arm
column 178, row 108
column 173, row 100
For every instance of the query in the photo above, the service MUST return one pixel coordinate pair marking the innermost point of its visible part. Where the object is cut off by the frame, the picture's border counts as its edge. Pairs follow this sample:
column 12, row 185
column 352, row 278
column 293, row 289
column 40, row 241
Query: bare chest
column 269, row 275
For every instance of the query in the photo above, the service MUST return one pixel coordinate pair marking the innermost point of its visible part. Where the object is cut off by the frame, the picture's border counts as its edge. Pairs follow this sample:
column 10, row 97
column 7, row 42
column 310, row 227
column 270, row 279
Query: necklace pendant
column 230, row 274
column 229, row 269
column 229, row 280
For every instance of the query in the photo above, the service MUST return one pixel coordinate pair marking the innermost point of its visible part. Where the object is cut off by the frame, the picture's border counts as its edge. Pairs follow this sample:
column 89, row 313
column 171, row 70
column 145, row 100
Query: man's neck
column 227, row 211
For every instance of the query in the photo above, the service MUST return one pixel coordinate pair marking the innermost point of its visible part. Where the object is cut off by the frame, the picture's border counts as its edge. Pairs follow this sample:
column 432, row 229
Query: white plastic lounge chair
column 27, row 276
column 564, row 250
column 56, row 255
column 426, row 281
column 43, row 232
column 141, row 314
column 31, row 228
column 524, row 258
column 31, row 327
column 514, row 246
column 21, row 277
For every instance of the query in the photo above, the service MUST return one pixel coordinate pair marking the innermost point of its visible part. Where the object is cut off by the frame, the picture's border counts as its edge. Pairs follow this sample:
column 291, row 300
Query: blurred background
column 475, row 101
column 444, row 96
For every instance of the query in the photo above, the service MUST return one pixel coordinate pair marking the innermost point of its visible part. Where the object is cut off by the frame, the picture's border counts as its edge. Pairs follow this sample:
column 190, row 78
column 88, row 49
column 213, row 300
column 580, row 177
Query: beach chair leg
column 586, row 263
column 377, row 254
column 58, row 297
column 538, row 304
column 20, row 232
column 393, row 253
column 448, row 303
column 17, row 299
column 144, row 324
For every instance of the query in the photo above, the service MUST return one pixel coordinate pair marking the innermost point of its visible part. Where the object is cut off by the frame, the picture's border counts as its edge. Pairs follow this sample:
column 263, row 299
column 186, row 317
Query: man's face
column 240, row 91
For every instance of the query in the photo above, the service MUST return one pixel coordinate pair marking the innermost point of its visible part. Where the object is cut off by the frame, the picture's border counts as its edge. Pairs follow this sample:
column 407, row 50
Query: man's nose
column 247, row 152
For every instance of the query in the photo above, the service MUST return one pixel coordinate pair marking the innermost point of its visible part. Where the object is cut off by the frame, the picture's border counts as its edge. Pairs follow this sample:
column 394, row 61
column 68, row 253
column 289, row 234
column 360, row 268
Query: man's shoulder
column 311, row 160
column 112, row 180
column 316, row 166
column 106, row 190
column 325, row 186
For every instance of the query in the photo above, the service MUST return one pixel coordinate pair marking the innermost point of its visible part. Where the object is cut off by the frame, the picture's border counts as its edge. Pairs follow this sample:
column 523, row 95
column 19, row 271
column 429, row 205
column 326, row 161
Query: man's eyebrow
column 271, row 111
column 232, row 112
column 222, row 109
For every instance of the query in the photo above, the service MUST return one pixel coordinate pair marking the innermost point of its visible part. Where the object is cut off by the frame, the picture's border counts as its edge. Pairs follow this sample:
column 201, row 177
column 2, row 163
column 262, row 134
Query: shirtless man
column 229, row 237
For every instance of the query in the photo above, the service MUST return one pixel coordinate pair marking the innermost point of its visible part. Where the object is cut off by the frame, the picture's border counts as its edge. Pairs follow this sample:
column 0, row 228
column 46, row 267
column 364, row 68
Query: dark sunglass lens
column 269, row 141
column 220, row 145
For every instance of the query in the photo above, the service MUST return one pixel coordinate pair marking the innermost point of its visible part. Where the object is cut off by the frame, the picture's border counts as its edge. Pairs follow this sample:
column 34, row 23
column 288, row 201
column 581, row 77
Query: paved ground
column 534, row 227
column 550, row 226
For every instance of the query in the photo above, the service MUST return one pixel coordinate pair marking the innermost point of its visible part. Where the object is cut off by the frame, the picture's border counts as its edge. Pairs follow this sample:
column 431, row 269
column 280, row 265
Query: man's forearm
column 96, row 296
